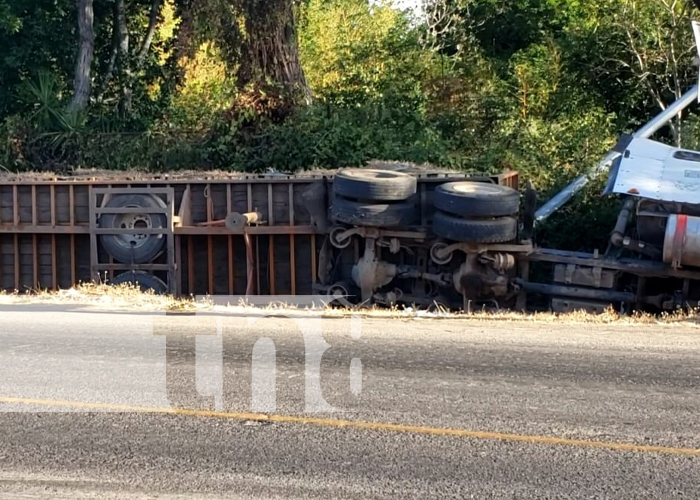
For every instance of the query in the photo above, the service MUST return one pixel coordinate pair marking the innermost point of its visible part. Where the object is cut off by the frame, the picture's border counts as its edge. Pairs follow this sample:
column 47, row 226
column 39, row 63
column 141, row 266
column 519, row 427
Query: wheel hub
column 133, row 221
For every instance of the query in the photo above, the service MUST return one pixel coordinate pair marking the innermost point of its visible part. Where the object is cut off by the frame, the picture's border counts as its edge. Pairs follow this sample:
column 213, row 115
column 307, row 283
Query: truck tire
column 145, row 281
column 498, row 230
column 133, row 248
column 388, row 215
column 476, row 199
column 374, row 185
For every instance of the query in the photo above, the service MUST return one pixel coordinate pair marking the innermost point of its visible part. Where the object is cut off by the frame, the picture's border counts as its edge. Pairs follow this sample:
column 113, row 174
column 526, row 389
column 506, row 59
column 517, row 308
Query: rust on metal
column 34, row 206
column 210, row 264
column 292, row 250
column 71, row 204
column 52, row 194
column 313, row 259
column 190, row 264
column 16, row 261
column 15, row 205
column 231, row 271
column 250, row 265
column 231, row 276
column 178, row 269
column 28, row 229
column 54, row 267
column 72, row 259
column 35, row 261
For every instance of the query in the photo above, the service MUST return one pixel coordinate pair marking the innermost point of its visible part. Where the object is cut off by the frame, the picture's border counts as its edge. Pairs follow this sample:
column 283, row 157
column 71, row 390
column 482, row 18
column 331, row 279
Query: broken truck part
column 645, row 132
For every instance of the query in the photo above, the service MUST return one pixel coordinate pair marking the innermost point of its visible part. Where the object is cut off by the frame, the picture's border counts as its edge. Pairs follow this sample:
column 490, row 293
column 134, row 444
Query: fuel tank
column 682, row 241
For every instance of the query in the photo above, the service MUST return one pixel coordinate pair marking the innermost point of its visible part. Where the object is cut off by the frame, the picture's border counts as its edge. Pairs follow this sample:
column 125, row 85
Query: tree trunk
column 183, row 46
column 112, row 56
column 270, row 50
column 123, row 57
column 148, row 40
column 184, row 42
column 82, row 84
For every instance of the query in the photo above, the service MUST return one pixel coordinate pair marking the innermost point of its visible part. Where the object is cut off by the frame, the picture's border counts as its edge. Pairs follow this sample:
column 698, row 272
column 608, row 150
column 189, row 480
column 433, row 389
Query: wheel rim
column 132, row 221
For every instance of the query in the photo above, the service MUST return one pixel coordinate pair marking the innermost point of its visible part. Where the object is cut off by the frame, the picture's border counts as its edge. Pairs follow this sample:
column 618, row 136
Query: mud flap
column 325, row 263
column 315, row 199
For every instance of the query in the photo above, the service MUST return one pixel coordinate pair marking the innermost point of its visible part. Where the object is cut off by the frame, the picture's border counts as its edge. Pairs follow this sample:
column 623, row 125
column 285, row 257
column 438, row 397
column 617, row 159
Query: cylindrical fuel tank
column 682, row 241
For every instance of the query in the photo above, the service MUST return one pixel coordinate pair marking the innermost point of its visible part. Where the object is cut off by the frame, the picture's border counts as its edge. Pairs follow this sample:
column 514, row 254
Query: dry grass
column 91, row 174
column 128, row 297
column 610, row 316
column 90, row 294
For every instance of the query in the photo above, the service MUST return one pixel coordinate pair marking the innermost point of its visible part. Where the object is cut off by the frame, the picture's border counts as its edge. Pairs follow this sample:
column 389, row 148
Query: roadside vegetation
column 127, row 298
column 539, row 86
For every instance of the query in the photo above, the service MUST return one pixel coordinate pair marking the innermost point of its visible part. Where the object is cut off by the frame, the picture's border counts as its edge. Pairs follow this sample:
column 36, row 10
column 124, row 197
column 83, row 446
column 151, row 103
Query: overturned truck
column 391, row 235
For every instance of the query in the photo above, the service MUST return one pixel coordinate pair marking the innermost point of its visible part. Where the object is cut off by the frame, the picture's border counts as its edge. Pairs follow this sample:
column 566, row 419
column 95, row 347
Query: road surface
column 446, row 408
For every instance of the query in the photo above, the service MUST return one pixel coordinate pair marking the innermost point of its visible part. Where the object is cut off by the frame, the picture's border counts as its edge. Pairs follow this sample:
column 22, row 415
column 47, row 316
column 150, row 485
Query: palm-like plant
column 58, row 129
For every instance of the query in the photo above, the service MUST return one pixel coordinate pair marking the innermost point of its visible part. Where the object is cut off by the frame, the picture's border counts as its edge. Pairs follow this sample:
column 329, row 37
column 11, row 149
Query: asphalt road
column 446, row 408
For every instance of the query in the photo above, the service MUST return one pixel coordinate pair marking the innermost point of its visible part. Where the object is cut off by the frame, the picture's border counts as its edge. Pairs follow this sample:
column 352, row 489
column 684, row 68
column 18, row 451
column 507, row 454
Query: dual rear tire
column 374, row 198
column 496, row 230
column 476, row 212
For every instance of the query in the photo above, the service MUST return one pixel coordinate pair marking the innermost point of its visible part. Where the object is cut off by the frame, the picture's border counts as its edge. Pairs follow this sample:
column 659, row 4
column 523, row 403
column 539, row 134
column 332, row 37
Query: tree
column 260, row 40
column 121, row 39
column 356, row 54
column 82, row 84
column 270, row 54
column 658, row 43
column 122, row 60
column 148, row 38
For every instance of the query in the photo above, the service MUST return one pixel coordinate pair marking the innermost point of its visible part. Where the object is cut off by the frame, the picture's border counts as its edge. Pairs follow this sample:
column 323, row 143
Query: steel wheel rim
column 132, row 221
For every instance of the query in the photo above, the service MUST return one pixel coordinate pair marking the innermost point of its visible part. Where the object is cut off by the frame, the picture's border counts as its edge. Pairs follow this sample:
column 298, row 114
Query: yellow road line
column 359, row 424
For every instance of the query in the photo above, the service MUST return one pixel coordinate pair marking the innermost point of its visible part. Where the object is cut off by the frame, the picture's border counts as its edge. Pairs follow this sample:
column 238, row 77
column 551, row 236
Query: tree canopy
column 541, row 86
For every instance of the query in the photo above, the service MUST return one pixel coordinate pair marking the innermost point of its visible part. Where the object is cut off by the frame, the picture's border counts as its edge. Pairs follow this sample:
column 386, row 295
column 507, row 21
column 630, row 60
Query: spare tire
column 145, row 281
column 499, row 230
column 387, row 215
column 374, row 185
column 476, row 199
column 133, row 248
